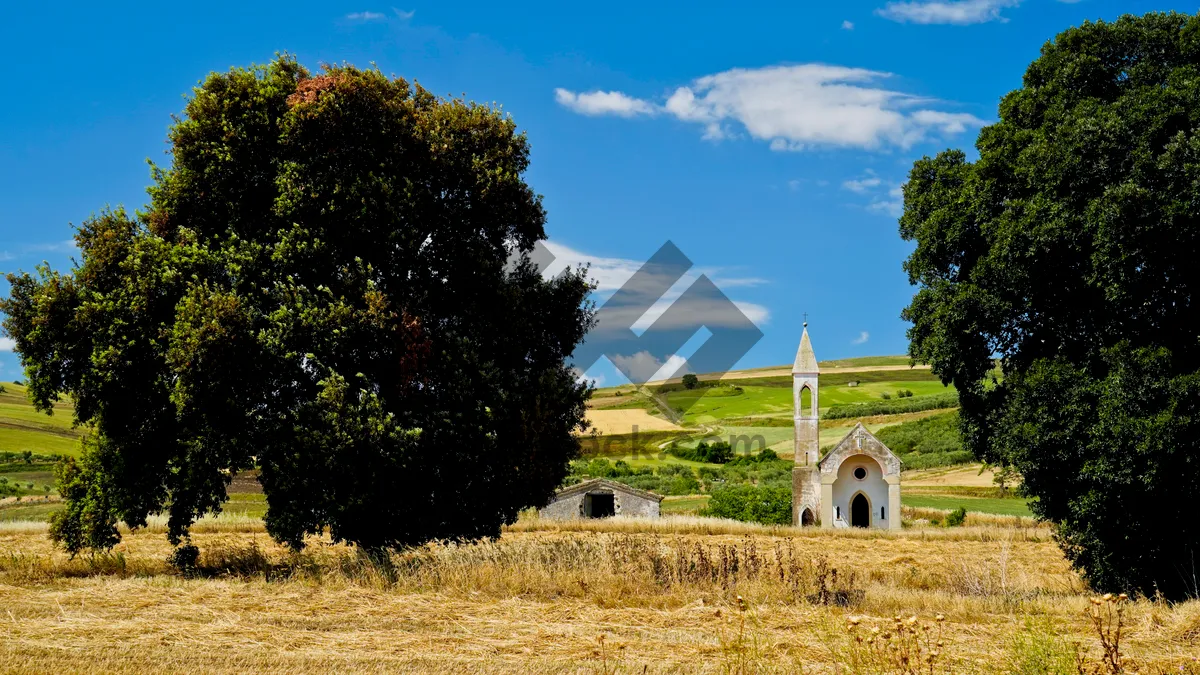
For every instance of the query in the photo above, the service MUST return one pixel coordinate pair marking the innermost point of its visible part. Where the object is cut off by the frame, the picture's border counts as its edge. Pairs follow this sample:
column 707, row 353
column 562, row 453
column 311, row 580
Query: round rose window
column 860, row 473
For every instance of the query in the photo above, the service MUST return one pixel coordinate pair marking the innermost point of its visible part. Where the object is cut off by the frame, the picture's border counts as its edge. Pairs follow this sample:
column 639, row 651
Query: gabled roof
column 589, row 485
column 860, row 441
column 806, row 360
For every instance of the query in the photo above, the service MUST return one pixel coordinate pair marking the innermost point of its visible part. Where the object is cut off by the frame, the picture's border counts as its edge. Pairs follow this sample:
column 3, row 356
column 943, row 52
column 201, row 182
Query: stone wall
column 806, row 493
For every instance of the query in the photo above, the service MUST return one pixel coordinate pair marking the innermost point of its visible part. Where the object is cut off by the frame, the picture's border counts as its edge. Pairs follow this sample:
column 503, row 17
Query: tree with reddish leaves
column 331, row 284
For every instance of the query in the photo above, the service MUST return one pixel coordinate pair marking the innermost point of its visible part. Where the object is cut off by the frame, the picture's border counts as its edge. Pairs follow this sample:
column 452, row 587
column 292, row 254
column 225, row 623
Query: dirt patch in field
column 967, row 476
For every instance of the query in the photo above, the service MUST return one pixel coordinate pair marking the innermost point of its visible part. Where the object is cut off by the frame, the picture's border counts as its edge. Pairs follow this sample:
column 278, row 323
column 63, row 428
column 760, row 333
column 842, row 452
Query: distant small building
column 852, row 383
column 601, row 498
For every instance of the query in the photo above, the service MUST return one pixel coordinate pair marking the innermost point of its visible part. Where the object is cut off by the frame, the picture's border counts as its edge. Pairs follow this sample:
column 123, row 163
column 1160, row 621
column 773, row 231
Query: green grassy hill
column 24, row 429
column 29, row 443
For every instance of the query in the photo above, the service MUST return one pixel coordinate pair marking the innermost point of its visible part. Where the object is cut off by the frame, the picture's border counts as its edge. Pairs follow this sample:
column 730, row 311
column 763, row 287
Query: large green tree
column 1069, row 251
column 331, row 282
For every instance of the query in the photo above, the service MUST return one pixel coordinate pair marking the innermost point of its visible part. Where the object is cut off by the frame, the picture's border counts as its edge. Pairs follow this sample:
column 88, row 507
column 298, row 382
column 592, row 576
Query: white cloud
column 64, row 246
column 892, row 205
column 948, row 123
column 603, row 103
column 365, row 16
column 956, row 12
column 847, row 25
column 403, row 15
column 581, row 377
column 861, row 339
column 7, row 344
column 612, row 273
column 609, row 273
column 862, row 185
column 792, row 108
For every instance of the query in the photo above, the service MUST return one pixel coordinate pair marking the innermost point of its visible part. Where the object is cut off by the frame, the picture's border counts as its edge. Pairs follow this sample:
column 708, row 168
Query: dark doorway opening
column 860, row 511
column 806, row 517
column 601, row 506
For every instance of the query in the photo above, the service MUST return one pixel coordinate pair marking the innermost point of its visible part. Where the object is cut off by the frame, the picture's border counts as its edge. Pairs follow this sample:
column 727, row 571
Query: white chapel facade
column 857, row 484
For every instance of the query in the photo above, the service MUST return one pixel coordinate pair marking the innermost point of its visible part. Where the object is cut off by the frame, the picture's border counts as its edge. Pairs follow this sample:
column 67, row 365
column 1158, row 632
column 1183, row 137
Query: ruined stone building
column 601, row 498
column 857, row 484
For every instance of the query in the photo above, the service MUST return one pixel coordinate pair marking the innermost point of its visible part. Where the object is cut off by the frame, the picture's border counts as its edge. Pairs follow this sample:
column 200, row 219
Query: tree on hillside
column 690, row 381
column 331, row 283
column 1068, row 250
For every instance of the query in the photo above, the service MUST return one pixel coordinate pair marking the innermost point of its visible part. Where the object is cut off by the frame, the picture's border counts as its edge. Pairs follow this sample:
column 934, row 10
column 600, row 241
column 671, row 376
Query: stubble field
column 594, row 597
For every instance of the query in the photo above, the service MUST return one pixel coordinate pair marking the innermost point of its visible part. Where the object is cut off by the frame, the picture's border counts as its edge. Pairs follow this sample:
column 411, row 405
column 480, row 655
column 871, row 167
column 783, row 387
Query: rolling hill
column 24, row 429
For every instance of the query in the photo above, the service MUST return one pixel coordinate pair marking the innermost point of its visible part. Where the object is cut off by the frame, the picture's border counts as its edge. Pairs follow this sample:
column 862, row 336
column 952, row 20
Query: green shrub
column 184, row 559
column 956, row 517
column 690, row 381
column 682, row 484
column 885, row 396
column 769, row 505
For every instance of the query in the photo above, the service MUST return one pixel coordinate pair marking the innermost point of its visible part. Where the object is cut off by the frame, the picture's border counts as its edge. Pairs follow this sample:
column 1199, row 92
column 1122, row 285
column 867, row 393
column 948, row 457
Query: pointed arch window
column 805, row 404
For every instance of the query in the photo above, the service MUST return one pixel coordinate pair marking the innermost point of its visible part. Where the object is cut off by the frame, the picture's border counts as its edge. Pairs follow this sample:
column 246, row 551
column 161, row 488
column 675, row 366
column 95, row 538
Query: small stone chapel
column 857, row 484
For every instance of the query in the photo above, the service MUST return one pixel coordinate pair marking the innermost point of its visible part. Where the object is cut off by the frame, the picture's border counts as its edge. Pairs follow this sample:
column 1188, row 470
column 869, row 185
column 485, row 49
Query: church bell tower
column 804, row 376
column 806, row 479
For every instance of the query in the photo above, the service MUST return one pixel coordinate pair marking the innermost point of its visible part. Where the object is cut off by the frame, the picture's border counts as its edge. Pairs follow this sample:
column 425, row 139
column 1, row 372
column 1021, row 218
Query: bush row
column 763, row 469
column 718, row 452
column 893, row 406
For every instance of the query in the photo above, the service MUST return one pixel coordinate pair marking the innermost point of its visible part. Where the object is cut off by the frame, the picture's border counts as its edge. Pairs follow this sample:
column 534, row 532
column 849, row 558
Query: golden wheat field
column 610, row 422
column 677, row 595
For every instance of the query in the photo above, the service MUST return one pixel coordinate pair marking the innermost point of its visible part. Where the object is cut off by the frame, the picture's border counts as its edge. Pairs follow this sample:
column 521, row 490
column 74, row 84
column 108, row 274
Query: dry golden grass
column 616, row 422
column 663, row 594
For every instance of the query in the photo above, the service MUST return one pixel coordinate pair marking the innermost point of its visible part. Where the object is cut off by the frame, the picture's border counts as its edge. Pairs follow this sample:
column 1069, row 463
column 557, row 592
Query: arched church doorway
column 860, row 511
column 806, row 517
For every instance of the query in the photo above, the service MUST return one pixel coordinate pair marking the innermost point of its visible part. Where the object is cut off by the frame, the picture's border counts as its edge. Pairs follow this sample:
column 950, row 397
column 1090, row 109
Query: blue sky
column 767, row 141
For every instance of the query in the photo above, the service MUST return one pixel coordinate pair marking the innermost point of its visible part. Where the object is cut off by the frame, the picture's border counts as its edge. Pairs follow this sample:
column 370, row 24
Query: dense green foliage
column 717, row 452
column 928, row 442
column 690, row 381
column 755, row 504
column 1069, row 250
column 905, row 404
column 331, row 282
